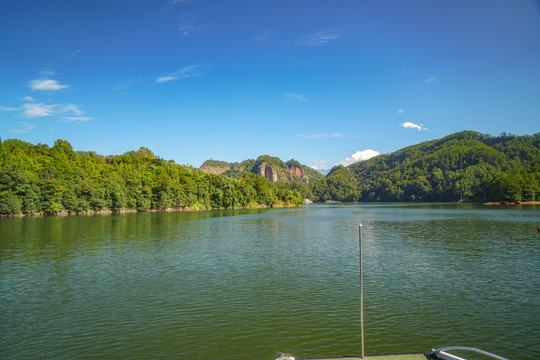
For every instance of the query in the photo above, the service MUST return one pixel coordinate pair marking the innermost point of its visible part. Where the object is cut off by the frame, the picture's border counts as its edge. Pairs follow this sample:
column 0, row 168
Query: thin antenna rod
column 361, row 287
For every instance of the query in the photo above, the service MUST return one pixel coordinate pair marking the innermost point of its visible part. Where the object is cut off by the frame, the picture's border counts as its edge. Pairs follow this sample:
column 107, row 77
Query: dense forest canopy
column 51, row 180
column 462, row 166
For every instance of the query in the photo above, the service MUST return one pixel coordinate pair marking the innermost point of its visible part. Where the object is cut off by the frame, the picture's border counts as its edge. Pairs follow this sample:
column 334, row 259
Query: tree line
column 38, row 179
column 469, row 166
column 465, row 166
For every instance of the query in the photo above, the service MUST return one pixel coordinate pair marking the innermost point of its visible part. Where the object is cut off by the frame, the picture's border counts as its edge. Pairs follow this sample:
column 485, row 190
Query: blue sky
column 319, row 81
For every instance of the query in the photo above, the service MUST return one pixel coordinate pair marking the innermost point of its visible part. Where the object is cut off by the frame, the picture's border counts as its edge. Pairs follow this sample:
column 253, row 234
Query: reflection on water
column 224, row 284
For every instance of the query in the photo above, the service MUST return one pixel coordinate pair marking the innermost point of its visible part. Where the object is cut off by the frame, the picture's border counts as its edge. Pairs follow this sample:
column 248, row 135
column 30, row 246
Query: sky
column 323, row 82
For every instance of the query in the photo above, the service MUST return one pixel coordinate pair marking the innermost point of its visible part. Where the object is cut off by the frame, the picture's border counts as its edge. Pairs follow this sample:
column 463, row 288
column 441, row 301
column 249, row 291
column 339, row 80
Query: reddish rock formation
column 270, row 174
column 295, row 170
column 267, row 172
column 298, row 172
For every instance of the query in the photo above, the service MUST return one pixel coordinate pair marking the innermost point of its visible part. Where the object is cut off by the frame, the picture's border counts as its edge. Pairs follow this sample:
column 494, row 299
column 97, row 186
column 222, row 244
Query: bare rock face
column 295, row 170
column 267, row 172
column 262, row 170
column 299, row 173
column 270, row 174
column 213, row 169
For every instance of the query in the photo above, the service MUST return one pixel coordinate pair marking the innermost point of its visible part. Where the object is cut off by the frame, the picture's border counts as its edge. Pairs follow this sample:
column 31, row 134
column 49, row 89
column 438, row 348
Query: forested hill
column 51, row 180
column 465, row 165
column 273, row 168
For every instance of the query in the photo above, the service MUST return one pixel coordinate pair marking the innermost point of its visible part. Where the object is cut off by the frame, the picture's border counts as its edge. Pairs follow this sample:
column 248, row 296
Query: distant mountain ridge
column 272, row 168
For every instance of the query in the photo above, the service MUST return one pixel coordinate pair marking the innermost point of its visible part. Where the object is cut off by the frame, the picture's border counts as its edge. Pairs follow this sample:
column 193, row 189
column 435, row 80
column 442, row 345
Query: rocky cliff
column 215, row 167
column 272, row 168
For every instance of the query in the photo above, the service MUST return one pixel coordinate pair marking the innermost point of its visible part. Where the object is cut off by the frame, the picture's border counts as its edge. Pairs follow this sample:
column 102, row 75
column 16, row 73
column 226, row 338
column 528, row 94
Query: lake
column 247, row 283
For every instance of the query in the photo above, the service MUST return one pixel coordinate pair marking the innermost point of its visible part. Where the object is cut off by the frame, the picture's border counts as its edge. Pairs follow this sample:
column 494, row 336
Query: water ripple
column 209, row 286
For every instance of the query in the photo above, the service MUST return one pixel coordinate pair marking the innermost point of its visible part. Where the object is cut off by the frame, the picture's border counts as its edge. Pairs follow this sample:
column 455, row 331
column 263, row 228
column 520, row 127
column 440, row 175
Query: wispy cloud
column 47, row 85
column 319, row 164
column 28, row 98
column 7, row 108
column 46, row 73
column 401, row 111
column 166, row 79
column 358, row 156
column 189, row 23
column 432, row 78
column 23, row 127
column 77, row 118
column 296, row 97
column 71, row 112
column 37, row 110
column 318, row 38
column 410, row 125
column 185, row 72
column 76, row 52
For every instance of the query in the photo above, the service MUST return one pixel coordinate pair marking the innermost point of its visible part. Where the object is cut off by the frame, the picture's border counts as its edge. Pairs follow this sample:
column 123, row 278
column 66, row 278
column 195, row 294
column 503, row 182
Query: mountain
column 272, row 168
column 463, row 166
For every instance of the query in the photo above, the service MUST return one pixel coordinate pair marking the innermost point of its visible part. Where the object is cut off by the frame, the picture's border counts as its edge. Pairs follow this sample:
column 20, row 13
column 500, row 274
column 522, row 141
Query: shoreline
column 501, row 203
column 188, row 209
column 131, row 211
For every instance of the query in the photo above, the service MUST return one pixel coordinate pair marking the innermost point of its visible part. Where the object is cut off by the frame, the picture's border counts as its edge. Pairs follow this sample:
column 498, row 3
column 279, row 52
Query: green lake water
column 245, row 284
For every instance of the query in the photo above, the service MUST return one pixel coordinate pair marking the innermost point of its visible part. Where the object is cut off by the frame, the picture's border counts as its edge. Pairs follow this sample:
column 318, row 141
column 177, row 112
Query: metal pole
column 361, row 288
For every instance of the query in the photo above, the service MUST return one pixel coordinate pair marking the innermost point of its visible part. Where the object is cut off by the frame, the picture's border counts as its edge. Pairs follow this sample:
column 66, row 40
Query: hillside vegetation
column 291, row 170
column 38, row 179
column 462, row 166
column 469, row 166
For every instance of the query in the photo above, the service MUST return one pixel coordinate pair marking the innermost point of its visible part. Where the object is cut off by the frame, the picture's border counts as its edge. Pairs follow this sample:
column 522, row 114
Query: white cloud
column 319, row 164
column 318, row 38
column 410, row 125
column 71, row 108
column 74, row 112
column 47, row 84
column 77, row 118
column 28, row 98
column 296, row 97
column 189, row 71
column 185, row 72
column 188, row 23
column 73, row 54
column 38, row 110
column 401, row 111
column 166, row 79
column 358, row 156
